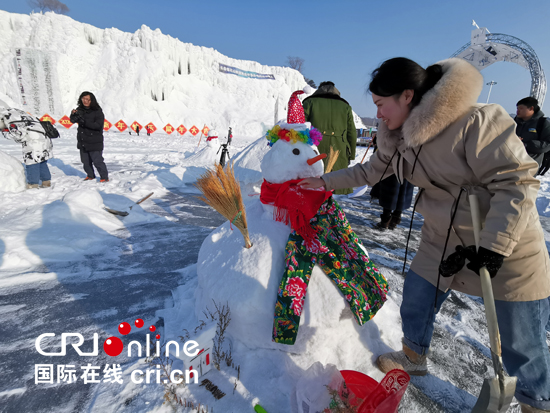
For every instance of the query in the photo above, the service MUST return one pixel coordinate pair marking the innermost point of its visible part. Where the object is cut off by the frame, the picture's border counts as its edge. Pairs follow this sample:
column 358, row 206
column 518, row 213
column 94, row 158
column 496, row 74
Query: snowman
column 208, row 154
column 212, row 134
column 302, row 243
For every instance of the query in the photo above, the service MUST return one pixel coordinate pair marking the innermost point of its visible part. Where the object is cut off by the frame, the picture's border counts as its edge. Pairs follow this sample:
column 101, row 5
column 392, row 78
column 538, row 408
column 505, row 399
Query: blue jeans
column 38, row 172
column 522, row 326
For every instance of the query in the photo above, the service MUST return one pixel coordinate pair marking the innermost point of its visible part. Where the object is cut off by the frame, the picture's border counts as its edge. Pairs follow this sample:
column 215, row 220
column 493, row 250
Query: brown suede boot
column 529, row 409
column 394, row 221
column 385, row 218
column 32, row 186
column 407, row 360
column 46, row 184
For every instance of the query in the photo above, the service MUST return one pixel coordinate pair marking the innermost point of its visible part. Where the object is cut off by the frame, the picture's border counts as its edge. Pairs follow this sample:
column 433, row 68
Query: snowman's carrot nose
column 311, row 161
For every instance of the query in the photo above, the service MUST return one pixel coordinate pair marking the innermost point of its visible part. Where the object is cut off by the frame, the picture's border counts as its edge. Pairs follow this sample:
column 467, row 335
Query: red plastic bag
column 383, row 397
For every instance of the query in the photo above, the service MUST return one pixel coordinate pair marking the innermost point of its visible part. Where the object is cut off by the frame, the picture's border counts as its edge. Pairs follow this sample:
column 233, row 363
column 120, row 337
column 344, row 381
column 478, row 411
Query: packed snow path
column 96, row 294
column 60, row 272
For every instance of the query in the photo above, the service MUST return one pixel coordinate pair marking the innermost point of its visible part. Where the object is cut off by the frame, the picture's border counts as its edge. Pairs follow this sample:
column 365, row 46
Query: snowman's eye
column 316, row 153
column 296, row 151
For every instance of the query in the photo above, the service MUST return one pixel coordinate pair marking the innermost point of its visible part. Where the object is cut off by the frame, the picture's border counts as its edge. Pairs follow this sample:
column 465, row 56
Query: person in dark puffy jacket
column 528, row 119
column 90, row 119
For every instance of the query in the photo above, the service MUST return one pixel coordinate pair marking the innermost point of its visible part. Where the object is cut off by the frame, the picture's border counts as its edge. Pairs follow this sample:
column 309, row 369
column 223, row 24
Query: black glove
column 79, row 117
column 482, row 258
column 486, row 258
column 455, row 262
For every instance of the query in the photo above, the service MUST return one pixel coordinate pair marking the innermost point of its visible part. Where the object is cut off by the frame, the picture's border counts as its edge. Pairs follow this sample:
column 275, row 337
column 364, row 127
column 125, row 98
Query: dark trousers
column 94, row 158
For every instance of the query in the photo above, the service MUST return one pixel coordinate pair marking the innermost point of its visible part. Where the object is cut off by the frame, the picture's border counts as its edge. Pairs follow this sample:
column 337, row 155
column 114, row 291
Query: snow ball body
column 248, row 279
column 12, row 174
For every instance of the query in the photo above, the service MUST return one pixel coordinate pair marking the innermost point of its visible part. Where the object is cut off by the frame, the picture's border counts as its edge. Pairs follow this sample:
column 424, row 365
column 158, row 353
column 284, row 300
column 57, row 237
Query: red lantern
column 168, row 129
column 133, row 127
column 194, row 130
column 121, row 126
column 150, row 127
column 65, row 121
column 48, row 118
column 181, row 129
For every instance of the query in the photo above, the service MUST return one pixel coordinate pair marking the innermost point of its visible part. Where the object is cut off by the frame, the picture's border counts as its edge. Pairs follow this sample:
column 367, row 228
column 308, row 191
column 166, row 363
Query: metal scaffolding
column 487, row 48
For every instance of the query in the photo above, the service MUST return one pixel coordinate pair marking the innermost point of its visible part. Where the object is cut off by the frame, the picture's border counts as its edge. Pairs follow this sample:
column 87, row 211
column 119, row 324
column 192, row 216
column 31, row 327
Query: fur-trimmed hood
column 450, row 99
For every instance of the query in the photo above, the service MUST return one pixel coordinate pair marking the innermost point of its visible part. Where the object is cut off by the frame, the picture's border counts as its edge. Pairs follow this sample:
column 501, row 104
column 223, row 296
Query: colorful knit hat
column 296, row 129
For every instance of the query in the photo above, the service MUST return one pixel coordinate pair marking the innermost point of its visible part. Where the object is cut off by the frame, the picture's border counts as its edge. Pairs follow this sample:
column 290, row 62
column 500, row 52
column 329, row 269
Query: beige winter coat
column 449, row 142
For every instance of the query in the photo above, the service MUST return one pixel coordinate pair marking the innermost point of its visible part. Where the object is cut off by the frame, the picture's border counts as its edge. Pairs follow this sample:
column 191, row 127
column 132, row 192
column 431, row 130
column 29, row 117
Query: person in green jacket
column 333, row 117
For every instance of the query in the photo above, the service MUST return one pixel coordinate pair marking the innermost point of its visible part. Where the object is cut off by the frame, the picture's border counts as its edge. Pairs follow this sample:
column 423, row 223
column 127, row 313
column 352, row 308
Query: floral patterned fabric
column 336, row 250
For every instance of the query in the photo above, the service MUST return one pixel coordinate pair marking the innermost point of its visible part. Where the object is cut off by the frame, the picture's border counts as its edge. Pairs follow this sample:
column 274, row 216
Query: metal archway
column 487, row 48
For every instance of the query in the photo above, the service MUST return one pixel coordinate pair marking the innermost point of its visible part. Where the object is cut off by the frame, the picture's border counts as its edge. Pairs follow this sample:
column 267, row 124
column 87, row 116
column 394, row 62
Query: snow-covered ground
column 66, row 265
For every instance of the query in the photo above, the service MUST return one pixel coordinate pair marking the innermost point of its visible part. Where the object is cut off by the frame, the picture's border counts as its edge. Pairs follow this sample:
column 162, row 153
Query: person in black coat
column 394, row 198
column 532, row 128
column 90, row 119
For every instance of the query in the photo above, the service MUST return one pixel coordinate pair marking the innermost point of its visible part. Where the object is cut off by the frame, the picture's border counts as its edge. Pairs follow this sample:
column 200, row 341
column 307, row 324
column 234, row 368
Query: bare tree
column 53, row 5
column 310, row 82
column 295, row 62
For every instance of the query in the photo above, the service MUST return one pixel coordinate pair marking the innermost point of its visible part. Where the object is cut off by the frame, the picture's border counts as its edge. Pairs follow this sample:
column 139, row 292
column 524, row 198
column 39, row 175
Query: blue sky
column 342, row 41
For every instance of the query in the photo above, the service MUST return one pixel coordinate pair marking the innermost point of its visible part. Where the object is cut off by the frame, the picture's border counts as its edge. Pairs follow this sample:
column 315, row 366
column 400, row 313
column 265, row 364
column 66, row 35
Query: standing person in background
column 137, row 130
column 394, row 198
column 229, row 136
column 37, row 146
column 375, row 191
column 374, row 147
column 148, row 129
column 333, row 117
column 533, row 128
column 90, row 119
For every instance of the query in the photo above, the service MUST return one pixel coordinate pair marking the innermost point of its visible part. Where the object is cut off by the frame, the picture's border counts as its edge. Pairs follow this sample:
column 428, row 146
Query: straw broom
column 332, row 158
column 222, row 192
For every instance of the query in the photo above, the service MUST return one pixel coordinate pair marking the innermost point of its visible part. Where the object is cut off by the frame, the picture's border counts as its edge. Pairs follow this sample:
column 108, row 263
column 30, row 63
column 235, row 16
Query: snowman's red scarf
column 294, row 205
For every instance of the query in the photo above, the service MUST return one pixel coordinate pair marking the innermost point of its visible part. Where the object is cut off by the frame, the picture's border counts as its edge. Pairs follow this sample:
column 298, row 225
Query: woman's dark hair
column 399, row 74
column 530, row 102
column 93, row 104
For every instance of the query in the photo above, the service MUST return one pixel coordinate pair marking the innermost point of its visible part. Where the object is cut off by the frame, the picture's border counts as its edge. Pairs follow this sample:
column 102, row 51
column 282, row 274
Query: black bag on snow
column 545, row 164
column 49, row 129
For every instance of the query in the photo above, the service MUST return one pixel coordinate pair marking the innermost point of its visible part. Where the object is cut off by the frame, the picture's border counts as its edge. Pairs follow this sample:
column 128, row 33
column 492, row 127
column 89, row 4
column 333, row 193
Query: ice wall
column 145, row 76
column 37, row 80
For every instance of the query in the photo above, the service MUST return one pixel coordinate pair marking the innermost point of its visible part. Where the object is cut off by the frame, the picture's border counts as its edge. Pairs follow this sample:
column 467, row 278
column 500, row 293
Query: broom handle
column 486, row 287
column 200, row 139
column 367, row 151
column 143, row 199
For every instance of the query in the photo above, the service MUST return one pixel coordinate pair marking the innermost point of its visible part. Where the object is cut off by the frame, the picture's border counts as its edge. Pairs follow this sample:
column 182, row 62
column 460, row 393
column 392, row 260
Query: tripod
column 225, row 152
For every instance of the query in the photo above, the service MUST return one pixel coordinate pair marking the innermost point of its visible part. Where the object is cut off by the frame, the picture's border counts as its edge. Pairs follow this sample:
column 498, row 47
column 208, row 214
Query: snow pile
column 12, row 174
column 145, row 76
column 248, row 280
column 247, row 166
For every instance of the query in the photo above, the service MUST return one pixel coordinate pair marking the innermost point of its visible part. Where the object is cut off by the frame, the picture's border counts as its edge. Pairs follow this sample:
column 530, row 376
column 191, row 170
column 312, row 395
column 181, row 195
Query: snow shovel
column 124, row 213
column 497, row 392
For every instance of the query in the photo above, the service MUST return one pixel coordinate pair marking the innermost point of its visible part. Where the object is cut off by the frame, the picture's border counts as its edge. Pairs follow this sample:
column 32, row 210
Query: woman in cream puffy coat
column 436, row 136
